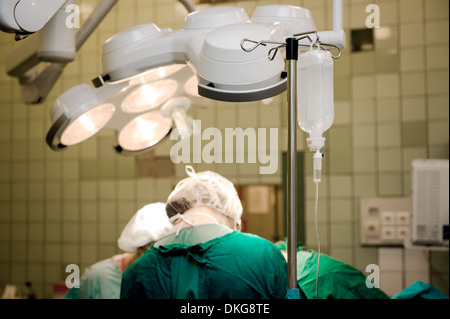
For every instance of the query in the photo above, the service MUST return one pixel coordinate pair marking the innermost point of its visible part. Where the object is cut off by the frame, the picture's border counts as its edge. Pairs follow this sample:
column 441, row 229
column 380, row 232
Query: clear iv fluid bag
column 315, row 94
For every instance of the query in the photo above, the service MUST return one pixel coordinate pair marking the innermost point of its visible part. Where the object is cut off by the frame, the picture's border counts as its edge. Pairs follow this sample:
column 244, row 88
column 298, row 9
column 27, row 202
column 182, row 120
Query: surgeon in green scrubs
column 337, row 280
column 205, row 256
column 102, row 280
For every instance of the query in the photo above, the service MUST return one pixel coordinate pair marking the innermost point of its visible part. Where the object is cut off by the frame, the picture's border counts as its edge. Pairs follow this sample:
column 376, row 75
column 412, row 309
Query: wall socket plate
column 385, row 221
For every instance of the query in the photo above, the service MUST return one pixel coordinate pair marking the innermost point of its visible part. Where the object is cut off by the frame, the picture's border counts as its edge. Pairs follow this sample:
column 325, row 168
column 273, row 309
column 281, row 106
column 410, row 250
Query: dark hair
column 178, row 206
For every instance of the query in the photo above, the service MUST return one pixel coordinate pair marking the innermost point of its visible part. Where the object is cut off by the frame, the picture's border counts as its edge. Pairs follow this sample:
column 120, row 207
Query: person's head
column 205, row 189
column 282, row 246
column 147, row 225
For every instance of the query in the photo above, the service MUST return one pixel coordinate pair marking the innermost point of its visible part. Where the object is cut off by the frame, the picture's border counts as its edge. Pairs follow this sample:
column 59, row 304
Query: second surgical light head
column 210, row 44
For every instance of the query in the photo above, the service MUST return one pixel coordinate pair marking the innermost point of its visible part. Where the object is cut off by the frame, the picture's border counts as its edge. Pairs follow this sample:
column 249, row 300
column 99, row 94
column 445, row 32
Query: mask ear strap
column 175, row 218
column 190, row 171
column 203, row 214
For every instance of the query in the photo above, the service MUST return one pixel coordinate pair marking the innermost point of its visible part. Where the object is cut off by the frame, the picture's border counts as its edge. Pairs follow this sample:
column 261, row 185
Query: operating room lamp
column 132, row 108
column 236, row 59
column 142, row 110
column 210, row 44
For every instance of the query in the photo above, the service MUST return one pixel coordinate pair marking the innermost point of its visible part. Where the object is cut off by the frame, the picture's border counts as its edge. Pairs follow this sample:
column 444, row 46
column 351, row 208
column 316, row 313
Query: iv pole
column 292, row 57
column 292, row 46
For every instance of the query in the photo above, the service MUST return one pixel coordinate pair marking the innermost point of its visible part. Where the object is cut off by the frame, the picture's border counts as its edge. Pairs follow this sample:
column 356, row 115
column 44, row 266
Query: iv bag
column 315, row 95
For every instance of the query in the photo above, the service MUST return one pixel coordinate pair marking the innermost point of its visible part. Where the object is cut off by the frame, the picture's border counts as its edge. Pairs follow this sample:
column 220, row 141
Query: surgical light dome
column 84, row 113
column 210, row 42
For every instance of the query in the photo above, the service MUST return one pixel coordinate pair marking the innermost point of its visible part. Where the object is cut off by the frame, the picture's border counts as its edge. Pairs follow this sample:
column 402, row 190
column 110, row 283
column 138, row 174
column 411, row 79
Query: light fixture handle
column 57, row 127
column 120, row 150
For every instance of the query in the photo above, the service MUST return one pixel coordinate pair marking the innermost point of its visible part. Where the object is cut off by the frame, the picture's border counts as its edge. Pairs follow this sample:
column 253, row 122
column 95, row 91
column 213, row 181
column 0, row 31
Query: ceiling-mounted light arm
column 63, row 43
column 36, row 88
column 190, row 7
column 27, row 16
column 337, row 35
column 92, row 22
column 54, row 43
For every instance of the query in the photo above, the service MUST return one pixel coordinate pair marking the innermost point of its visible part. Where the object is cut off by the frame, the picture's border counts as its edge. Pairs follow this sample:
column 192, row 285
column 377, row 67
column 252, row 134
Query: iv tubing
column 317, row 163
column 318, row 237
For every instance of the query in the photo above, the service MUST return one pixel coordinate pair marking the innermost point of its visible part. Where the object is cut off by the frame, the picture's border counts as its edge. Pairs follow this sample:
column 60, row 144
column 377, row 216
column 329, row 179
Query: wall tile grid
column 391, row 106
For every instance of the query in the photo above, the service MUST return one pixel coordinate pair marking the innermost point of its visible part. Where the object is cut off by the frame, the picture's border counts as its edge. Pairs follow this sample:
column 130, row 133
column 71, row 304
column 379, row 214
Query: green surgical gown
column 420, row 290
column 99, row 281
column 337, row 280
column 234, row 265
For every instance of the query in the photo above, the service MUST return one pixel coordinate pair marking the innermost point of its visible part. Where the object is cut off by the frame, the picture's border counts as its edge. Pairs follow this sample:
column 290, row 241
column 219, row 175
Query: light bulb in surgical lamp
column 87, row 124
column 144, row 131
column 149, row 96
column 79, row 113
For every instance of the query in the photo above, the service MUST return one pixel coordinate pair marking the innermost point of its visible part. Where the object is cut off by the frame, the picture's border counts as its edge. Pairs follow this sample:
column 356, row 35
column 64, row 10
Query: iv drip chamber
column 315, row 95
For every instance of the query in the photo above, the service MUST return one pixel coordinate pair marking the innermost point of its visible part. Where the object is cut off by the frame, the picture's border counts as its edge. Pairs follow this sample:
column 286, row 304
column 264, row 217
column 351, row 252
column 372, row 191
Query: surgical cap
column 208, row 189
column 148, row 225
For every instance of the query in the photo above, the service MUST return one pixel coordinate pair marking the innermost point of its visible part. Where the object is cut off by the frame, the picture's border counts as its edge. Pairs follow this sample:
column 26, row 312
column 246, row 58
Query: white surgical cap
column 148, row 225
column 209, row 189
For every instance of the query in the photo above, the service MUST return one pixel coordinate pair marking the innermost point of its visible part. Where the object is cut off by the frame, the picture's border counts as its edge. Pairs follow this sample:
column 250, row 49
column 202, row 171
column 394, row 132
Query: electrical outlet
column 403, row 218
column 372, row 228
column 402, row 232
column 387, row 233
column 387, row 218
